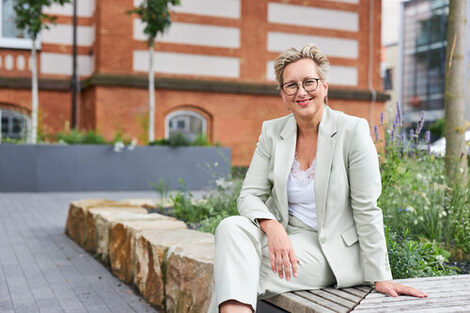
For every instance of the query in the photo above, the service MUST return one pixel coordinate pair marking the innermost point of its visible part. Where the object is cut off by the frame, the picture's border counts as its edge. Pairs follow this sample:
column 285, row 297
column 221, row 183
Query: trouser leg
column 313, row 269
column 238, row 246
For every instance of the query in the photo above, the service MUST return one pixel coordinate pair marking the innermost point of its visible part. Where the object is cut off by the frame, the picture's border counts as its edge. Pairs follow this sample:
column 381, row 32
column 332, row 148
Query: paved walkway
column 42, row 270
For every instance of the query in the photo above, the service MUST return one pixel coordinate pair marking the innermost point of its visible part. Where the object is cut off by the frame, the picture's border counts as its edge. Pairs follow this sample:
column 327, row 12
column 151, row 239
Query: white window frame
column 184, row 112
column 16, row 43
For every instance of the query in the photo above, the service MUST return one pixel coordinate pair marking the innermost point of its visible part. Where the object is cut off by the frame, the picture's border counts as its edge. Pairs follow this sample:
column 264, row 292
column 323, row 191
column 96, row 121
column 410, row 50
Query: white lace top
column 300, row 194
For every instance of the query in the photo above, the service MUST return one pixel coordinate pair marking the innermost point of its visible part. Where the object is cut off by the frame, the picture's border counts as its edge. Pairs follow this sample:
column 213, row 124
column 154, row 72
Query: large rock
column 76, row 223
column 122, row 237
column 156, row 278
column 99, row 222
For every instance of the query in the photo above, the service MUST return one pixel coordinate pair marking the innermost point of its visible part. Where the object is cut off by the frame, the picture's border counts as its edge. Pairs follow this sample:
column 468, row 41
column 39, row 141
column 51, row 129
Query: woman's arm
column 251, row 203
column 256, row 186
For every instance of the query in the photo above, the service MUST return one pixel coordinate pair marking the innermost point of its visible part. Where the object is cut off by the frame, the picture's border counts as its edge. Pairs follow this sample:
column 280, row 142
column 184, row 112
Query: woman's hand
column 393, row 289
column 281, row 251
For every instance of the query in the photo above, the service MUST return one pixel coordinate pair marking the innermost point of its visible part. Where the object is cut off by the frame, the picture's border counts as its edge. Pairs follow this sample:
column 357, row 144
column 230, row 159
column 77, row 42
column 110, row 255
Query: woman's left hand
column 393, row 289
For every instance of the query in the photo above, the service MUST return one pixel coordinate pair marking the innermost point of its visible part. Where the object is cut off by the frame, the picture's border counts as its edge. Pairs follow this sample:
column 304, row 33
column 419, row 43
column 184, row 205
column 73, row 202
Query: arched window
column 189, row 123
column 14, row 124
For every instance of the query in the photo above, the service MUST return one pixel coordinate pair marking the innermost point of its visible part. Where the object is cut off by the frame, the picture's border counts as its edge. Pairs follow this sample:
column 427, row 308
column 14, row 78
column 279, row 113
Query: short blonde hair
column 310, row 51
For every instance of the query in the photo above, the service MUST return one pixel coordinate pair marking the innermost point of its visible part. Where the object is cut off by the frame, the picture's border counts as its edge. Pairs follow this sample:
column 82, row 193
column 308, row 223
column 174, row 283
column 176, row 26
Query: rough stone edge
column 89, row 222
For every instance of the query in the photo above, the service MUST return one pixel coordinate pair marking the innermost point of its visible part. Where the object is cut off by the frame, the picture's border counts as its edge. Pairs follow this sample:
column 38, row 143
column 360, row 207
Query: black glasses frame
column 303, row 86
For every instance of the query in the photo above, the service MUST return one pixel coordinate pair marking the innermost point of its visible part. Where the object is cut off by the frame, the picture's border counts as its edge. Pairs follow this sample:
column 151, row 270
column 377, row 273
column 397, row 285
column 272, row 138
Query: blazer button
column 322, row 240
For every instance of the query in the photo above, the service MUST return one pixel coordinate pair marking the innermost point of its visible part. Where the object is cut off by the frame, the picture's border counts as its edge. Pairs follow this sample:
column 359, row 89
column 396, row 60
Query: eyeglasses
column 291, row 88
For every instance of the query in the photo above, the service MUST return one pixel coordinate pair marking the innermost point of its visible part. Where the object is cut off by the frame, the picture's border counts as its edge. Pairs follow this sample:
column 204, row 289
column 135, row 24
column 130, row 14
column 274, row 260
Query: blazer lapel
column 284, row 157
column 325, row 151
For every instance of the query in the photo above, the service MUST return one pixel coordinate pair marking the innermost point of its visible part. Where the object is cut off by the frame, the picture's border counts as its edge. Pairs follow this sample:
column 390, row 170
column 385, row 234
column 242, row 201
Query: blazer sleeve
column 256, row 186
column 365, row 189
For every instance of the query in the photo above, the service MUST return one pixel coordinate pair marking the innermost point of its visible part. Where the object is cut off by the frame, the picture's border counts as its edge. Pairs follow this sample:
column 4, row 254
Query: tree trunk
column 456, row 155
column 151, row 95
column 35, row 104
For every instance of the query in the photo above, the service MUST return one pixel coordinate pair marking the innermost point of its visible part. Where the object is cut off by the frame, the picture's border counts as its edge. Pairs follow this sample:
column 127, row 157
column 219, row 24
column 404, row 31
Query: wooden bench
column 445, row 294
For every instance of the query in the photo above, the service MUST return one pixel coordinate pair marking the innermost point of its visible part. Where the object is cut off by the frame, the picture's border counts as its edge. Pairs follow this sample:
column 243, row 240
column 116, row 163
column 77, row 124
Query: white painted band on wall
column 85, row 8
column 220, row 8
column 346, row 1
column 194, row 34
column 63, row 34
column 336, row 47
column 191, row 64
column 337, row 75
column 56, row 63
column 313, row 17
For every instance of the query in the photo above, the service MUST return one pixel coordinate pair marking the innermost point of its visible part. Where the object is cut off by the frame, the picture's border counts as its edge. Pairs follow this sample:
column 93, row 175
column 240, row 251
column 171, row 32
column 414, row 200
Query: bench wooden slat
column 333, row 298
column 433, row 295
column 419, row 303
column 322, row 301
column 364, row 288
column 294, row 303
column 355, row 292
column 428, row 279
column 344, row 295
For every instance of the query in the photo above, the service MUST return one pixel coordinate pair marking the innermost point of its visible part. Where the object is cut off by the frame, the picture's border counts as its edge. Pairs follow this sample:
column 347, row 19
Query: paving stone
column 44, row 258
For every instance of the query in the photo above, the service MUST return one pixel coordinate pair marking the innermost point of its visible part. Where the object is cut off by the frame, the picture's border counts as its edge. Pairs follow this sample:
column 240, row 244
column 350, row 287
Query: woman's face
column 304, row 104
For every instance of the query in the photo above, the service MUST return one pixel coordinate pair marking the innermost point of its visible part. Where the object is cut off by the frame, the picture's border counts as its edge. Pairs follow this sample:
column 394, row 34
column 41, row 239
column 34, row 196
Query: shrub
column 409, row 258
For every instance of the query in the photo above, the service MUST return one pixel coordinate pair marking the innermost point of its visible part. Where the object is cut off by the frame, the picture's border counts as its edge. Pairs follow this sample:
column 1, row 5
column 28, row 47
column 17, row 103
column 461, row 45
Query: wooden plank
column 355, row 292
column 430, row 288
column 465, row 308
column 344, row 295
column 294, row 303
column 364, row 288
column 322, row 301
column 447, row 278
column 419, row 303
column 437, row 295
column 333, row 298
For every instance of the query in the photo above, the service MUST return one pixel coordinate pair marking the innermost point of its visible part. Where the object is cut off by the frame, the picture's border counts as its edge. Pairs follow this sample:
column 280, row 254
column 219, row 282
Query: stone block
column 122, row 235
column 75, row 226
column 98, row 224
column 153, row 251
column 150, row 202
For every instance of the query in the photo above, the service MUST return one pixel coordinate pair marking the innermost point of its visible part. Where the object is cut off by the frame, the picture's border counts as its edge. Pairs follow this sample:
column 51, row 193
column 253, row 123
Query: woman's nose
column 301, row 91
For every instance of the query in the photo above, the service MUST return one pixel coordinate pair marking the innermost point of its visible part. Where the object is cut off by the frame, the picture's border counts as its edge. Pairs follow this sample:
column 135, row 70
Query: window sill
column 16, row 43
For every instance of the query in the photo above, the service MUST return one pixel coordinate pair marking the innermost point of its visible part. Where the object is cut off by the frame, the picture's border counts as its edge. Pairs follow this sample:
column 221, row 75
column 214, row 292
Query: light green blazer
column 347, row 185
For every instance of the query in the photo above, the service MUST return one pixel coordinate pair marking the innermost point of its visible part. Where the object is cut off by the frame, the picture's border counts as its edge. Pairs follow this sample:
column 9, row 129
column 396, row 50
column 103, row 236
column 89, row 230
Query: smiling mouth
column 304, row 101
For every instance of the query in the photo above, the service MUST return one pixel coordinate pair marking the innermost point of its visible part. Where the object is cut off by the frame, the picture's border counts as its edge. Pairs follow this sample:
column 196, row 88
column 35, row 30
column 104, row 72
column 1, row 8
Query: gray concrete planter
column 99, row 167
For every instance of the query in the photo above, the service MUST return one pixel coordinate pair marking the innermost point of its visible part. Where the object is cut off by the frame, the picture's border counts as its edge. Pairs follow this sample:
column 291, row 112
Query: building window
column 188, row 123
column 10, row 35
column 14, row 125
column 388, row 79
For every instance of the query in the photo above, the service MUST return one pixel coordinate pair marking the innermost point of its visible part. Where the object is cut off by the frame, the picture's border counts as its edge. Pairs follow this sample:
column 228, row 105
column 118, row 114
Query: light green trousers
column 242, row 269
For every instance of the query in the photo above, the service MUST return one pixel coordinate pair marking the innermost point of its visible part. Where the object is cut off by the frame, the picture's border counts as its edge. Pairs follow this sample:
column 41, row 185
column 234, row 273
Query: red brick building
column 213, row 68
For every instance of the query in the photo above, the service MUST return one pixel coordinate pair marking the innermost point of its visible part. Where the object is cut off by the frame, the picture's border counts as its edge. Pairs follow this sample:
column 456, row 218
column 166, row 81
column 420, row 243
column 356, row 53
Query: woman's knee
column 231, row 224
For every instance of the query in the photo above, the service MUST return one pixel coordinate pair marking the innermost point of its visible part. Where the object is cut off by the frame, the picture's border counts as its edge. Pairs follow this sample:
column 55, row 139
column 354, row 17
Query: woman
column 309, row 216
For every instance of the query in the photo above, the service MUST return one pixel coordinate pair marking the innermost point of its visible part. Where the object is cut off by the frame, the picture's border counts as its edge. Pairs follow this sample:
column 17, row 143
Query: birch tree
column 29, row 17
column 456, row 155
column 155, row 14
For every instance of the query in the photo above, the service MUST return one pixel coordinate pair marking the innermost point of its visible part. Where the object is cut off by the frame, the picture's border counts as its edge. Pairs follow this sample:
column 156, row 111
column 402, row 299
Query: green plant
column 161, row 187
column 201, row 140
column 206, row 213
column 80, row 137
column 409, row 258
column 177, row 139
column 159, row 142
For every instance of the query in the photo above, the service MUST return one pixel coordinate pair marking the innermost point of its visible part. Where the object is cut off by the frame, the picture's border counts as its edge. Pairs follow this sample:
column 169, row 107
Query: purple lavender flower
column 393, row 135
column 399, row 116
column 376, row 132
column 381, row 118
column 428, row 136
column 403, row 138
column 420, row 123
column 412, row 133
